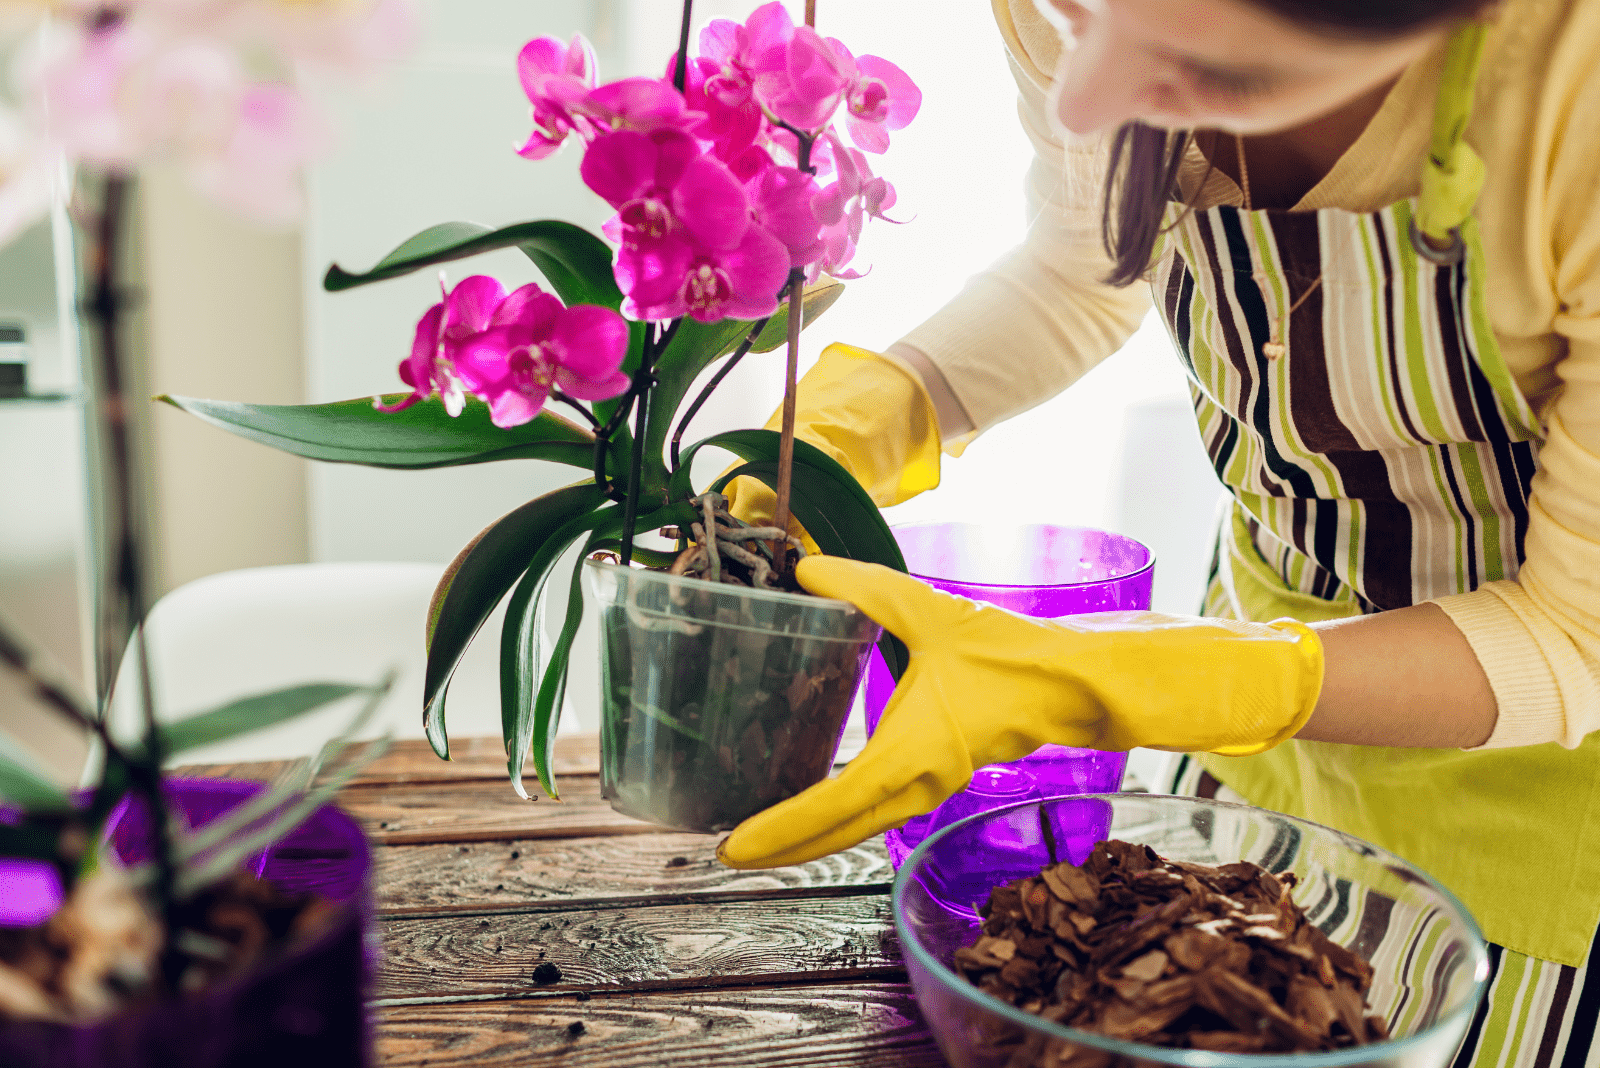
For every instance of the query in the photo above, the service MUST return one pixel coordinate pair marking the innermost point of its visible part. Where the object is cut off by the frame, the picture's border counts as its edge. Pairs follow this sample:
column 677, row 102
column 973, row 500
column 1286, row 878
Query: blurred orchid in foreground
column 176, row 80
column 512, row 351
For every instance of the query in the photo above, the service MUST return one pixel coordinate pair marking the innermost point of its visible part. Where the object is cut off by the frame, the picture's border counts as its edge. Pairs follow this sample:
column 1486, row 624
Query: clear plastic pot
column 718, row 701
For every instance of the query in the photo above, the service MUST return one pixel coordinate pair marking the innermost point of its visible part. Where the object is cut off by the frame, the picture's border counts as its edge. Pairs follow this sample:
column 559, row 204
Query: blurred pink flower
column 258, row 170
column 556, row 78
column 175, row 80
column 512, row 350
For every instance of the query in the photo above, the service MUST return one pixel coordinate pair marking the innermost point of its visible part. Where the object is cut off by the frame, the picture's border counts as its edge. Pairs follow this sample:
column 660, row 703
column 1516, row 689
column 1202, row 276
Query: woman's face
column 1218, row 64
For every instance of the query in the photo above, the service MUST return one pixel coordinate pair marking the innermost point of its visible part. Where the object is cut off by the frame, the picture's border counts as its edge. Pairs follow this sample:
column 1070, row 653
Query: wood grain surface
column 659, row 955
column 413, row 760
column 828, row 1026
column 455, row 876
column 702, row 945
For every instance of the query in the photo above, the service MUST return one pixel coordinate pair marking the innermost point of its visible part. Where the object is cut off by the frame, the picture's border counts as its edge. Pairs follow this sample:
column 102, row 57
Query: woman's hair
column 1143, row 174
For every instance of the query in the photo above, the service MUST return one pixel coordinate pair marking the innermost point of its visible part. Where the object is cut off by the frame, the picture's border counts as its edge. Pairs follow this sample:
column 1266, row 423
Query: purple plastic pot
column 1043, row 571
column 304, row 1008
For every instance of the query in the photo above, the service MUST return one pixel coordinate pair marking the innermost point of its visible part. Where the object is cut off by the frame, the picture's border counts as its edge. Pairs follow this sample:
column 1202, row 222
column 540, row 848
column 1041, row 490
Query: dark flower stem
column 680, row 73
column 643, row 379
column 121, row 491
column 791, row 365
column 786, row 442
column 711, row 387
column 571, row 402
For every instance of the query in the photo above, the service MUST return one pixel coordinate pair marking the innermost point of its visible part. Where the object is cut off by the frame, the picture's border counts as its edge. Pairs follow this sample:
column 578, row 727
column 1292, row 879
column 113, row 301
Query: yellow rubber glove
column 870, row 414
column 985, row 685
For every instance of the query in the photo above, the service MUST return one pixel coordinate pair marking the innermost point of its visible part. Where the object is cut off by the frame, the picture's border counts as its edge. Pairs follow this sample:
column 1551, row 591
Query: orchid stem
column 680, row 73
column 121, row 490
column 711, row 386
column 570, row 402
column 780, row 512
column 643, row 379
column 811, row 13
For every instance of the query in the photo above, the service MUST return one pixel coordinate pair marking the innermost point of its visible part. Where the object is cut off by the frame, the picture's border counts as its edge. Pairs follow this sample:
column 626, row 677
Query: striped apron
column 1379, row 454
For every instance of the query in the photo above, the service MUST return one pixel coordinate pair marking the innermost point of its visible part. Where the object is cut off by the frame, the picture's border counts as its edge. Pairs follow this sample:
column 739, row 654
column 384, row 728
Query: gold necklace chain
column 1274, row 348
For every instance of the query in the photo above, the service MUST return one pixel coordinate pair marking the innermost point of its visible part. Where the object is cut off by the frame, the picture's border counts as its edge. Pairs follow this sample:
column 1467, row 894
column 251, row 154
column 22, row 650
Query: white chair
column 243, row 632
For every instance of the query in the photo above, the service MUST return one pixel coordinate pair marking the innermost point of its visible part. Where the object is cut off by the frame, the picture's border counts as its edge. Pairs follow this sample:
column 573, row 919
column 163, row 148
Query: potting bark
column 1143, row 949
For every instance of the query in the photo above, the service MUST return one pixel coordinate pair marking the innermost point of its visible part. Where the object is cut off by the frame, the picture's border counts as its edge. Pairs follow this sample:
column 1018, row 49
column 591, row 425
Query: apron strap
column 1454, row 173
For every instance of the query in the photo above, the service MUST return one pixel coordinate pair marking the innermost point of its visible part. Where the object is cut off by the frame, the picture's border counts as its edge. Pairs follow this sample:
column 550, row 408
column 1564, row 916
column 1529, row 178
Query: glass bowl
column 1430, row 961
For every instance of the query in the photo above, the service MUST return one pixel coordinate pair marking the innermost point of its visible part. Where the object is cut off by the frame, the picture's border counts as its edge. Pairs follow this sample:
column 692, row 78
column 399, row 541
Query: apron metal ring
column 1444, row 257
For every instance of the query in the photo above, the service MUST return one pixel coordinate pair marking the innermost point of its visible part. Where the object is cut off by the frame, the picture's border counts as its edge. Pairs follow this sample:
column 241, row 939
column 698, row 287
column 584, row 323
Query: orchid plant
column 218, row 88
column 738, row 207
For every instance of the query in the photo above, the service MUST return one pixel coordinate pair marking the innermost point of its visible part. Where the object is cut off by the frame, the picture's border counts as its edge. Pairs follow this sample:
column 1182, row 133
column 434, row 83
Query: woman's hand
column 985, row 685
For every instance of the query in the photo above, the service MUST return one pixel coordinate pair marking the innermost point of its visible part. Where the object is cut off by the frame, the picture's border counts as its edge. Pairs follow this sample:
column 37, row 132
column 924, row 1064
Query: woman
column 1379, row 256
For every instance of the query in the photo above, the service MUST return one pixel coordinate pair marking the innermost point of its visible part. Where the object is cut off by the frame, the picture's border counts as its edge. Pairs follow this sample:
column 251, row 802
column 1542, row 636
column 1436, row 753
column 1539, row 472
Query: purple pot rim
column 1148, row 566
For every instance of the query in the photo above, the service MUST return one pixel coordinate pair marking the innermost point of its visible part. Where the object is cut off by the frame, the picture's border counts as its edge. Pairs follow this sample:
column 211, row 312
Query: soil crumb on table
column 1170, row 953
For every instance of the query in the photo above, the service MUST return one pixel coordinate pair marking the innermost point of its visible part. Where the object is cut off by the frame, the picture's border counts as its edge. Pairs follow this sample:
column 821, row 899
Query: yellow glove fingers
column 908, row 608
column 889, row 783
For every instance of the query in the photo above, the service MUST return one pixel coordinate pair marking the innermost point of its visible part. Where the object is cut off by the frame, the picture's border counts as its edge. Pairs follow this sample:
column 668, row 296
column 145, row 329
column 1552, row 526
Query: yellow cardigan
column 1036, row 322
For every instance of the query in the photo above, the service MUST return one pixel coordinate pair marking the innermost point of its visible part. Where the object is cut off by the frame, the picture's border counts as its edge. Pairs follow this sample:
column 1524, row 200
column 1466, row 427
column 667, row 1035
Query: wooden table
column 665, row 956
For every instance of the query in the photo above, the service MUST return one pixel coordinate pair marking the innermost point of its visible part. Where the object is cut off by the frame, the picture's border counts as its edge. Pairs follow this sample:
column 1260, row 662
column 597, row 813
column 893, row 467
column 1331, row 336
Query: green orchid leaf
column 422, row 436
column 520, row 643
column 575, row 262
column 647, row 557
column 478, row 578
column 553, row 684
column 839, row 528
column 697, row 346
column 251, row 713
column 24, row 782
column 825, row 498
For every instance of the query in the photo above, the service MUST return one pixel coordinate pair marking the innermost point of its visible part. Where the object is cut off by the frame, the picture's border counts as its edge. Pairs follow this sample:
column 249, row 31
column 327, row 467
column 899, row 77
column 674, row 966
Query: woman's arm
column 1402, row 678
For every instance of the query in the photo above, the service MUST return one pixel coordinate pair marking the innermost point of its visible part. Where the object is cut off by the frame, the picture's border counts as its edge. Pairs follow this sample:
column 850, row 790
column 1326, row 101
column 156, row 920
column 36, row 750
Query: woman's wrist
column 1402, row 678
column 953, row 418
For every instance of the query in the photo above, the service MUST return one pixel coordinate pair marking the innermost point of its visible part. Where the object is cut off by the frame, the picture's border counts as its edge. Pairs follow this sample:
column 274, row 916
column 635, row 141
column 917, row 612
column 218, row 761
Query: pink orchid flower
column 557, row 78
column 512, row 351
column 808, row 88
column 882, row 98
column 662, row 183
column 644, row 105
column 533, row 345
column 463, row 312
column 734, row 121
column 721, row 80
column 672, row 277
column 844, row 206
column 782, row 201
